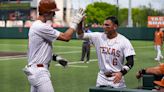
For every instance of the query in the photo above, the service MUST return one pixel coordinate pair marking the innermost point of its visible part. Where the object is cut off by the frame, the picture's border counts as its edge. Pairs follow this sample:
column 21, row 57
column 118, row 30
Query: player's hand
column 63, row 62
column 118, row 77
column 139, row 74
column 60, row 60
column 77, row 18
column 108, row 74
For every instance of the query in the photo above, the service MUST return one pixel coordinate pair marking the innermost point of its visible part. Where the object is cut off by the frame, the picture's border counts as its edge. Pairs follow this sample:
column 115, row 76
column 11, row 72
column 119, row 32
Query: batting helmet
column 47, row 6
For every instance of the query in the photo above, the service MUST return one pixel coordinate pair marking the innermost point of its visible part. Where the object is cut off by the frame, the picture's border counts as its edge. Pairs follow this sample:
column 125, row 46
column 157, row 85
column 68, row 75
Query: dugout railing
column 108, row 89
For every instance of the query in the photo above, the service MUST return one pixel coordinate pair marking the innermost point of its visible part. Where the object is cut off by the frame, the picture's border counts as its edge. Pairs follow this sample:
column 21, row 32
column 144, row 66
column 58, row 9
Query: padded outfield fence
column 142, row 33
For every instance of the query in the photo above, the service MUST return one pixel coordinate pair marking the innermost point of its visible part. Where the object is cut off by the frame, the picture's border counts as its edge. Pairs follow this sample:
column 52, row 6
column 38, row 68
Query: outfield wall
column 13, row 33
column 130, row 33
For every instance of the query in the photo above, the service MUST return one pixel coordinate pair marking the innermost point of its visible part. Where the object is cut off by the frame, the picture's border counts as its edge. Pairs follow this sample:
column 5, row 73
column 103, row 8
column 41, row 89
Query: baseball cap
column 160, row 83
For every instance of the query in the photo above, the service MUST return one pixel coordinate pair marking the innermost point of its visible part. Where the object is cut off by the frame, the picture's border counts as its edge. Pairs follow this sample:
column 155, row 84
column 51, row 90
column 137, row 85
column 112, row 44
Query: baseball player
column 41, row 35
column 111, row 48
column 158, row 41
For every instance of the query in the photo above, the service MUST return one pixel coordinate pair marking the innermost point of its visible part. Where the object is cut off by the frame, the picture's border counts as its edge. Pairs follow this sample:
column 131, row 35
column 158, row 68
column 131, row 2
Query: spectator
column 86, row 46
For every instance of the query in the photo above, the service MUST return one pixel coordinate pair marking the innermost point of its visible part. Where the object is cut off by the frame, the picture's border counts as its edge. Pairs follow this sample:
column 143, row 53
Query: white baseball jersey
column 41, row 36
column 110, row 53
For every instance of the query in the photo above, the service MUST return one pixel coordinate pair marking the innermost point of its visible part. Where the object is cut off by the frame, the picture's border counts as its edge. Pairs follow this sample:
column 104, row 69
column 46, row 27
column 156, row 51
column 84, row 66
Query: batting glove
column 76, row 19
column 60, row 60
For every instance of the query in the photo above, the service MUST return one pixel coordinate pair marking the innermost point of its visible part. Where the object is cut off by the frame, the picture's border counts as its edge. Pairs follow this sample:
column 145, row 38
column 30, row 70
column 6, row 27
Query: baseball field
column 77, row 77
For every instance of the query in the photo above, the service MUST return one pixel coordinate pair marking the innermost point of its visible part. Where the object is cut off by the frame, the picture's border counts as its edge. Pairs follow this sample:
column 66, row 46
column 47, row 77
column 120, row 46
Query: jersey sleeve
column 128, row 49
column 87, row 36
column 91, row 37
column 48, row 33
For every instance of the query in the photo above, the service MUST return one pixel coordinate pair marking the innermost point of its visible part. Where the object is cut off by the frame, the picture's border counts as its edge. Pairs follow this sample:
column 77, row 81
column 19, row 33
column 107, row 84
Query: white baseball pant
column 102, row 80
column 158, row 49
column 39, row 78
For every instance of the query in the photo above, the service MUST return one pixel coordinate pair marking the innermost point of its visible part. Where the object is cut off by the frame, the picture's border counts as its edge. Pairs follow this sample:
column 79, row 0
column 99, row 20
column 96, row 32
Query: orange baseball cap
column 160, row 83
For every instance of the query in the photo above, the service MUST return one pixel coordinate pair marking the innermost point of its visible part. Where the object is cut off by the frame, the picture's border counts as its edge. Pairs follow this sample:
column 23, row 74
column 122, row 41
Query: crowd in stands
column 13, row 20
column 28, row 23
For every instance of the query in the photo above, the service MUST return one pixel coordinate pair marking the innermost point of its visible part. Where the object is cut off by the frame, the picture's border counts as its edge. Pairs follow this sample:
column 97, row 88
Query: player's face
column 109, row 26
column 50, row 15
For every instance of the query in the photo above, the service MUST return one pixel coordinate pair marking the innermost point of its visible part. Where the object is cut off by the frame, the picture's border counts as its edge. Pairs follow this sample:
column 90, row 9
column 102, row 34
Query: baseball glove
column 60, row 60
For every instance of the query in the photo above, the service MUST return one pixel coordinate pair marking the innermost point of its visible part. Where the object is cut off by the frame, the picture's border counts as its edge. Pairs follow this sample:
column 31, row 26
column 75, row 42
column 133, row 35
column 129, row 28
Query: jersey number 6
column 114, row 61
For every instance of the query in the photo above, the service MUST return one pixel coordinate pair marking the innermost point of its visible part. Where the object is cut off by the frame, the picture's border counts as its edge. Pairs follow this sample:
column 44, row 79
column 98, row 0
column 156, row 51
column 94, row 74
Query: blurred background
column 138, row 20
column 141, row 16
column 131, row 13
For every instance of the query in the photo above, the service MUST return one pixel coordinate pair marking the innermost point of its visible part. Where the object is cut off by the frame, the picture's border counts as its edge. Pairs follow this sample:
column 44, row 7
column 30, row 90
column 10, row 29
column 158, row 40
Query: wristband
column 126, row 68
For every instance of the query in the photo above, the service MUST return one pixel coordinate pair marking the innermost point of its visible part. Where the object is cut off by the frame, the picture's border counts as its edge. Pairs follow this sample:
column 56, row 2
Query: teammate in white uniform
column 41, row 36
column 111, row 48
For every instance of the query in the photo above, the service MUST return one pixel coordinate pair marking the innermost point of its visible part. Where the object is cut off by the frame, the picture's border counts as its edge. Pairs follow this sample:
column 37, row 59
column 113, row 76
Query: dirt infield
column 4, row 54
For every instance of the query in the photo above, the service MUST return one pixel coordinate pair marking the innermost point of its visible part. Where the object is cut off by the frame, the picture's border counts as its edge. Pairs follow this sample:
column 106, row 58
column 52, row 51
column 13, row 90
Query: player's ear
column 115, row 27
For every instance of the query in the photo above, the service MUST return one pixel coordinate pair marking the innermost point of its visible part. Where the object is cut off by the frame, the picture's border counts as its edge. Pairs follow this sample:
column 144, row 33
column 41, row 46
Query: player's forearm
column 157, row 70
column 80, row 30
column 150, row 70
column 66, row 36
column 130, row 61
column 128, row 65
column 69, row 33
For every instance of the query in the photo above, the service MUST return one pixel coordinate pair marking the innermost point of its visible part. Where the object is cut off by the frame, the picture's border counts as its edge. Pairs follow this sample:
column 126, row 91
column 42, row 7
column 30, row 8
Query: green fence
column 138, row 33
column 14, row 33
column 130, row 33
column 134, row 33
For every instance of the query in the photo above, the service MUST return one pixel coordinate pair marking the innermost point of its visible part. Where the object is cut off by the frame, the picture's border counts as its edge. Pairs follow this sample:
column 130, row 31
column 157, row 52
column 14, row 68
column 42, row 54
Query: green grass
column 70, row 79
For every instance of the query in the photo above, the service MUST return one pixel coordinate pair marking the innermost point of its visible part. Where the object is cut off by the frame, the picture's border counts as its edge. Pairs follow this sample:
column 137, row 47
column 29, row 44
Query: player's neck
column 42, row 19
column 112, row 35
